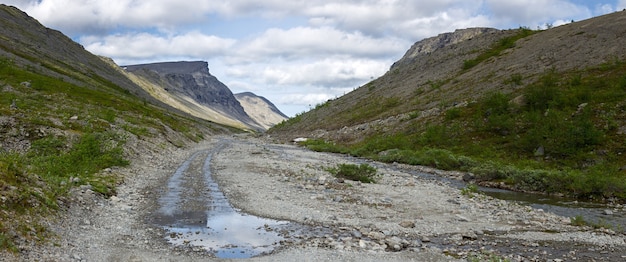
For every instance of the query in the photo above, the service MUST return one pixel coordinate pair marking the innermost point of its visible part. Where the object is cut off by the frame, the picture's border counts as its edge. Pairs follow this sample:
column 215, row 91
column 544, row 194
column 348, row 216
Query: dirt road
column 403, row 217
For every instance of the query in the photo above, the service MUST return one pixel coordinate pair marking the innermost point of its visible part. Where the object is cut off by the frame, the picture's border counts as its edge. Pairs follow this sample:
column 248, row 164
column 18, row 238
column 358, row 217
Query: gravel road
column 403, row 217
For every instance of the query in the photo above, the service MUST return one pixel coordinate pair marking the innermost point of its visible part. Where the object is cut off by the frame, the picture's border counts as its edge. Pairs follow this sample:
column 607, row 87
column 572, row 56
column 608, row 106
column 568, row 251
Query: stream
column 595, row 213
column 195, row 213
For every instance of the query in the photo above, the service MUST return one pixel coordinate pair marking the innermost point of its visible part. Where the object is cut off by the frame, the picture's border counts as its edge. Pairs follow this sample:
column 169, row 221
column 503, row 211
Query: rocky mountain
column 190, row 87
column 260, row 109
column 520, row 106
column 27, row 43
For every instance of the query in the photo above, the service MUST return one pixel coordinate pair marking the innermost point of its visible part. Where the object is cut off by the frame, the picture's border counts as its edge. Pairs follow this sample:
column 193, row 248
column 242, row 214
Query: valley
column 402, row 217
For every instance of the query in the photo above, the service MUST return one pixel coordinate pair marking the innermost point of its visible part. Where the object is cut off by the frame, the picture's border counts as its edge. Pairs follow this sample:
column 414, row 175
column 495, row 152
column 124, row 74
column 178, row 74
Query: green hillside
column 513, row 113
column 65, row 116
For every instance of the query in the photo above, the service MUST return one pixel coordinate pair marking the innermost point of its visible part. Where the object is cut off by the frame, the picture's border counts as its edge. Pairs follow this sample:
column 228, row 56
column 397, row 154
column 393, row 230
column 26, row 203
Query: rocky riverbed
column 402, row 217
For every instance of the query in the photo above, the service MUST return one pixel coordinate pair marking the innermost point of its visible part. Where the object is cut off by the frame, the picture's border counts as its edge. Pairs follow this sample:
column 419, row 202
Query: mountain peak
column 431, row 44
column 180, row 67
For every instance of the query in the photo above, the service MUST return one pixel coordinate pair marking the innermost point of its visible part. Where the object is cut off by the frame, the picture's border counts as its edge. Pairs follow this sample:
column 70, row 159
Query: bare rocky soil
column 403, row 217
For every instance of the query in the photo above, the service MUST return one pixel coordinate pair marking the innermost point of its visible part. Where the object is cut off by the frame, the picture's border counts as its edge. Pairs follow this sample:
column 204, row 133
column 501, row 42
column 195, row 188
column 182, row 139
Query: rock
column 469, row 236
column 300, row 139
column 467, row 177
column 74, row 117
column 580, row 108
column 407, row 224
column 362, row 243
column 376, row 235
column 607, row 212
column 26, row 84
column 425, row 239
column 395, row 243
column 540, row 151
column 461, row 218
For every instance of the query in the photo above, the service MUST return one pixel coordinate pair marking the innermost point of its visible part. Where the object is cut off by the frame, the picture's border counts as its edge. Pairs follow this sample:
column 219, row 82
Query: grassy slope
column 46, row 151
column 557, row 132
column 65, row 115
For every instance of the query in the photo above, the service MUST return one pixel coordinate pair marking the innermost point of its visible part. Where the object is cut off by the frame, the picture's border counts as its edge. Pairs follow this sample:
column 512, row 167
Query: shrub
column 363, row 172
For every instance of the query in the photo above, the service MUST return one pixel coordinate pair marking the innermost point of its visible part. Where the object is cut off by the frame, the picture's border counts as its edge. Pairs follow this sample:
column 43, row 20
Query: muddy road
column 236, row 197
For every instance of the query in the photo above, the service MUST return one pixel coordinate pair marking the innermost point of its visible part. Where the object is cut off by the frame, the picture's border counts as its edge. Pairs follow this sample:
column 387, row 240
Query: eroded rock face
column 432, row 44
column 260, row 109
column 193, row 80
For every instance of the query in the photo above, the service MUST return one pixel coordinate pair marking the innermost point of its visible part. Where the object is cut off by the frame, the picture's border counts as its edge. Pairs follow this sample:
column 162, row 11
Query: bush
column 363, row 172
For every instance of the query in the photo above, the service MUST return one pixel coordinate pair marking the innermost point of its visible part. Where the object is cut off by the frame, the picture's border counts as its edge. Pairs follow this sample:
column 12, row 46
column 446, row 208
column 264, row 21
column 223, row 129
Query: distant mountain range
column 189, row 87
column 182, row 86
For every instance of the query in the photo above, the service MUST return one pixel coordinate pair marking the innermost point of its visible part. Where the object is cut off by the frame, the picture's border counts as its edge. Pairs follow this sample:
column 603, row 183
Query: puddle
column 195, row 213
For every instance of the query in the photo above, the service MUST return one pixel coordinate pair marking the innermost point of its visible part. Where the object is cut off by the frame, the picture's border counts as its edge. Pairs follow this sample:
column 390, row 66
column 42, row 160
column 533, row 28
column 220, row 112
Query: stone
column 540, row 151
column 300, row 139
column 376, row 235
column 394, row 243
column 469, row 236
column 362, row 243
column 407, row 224
column 462, row 218
column 607, row 212
column 74, row 117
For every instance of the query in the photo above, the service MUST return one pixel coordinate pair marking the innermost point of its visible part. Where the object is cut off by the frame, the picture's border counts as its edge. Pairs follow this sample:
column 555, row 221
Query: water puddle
column 195, row 213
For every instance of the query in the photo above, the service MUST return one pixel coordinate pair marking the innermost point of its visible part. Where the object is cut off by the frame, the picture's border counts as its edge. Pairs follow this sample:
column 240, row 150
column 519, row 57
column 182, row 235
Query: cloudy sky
column 296, row 53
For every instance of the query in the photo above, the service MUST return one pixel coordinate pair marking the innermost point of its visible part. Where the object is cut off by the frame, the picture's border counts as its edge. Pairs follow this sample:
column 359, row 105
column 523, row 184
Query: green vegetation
column 69, row 134
column 486, row 256
column 469, row 190
column 363, row 172
column 559, row 134
column 580, row 221
column 495, row 50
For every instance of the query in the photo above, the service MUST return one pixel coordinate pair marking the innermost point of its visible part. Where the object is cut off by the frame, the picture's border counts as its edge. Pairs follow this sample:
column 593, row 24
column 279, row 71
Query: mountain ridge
column 530, row 110
column 189, row 86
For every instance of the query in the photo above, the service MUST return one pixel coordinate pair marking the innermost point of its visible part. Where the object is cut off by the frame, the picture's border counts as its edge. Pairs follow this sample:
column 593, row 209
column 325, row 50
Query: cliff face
column 193, row 79
column 260, row 109
column 190, row 87
column 432, row 44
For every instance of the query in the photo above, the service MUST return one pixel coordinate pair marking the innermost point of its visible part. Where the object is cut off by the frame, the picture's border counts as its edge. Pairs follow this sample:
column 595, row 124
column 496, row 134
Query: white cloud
column 141, row 46
column 307, row 99
column 296, row 53
column 330, row 73
column 319, row 42
column 102, row 16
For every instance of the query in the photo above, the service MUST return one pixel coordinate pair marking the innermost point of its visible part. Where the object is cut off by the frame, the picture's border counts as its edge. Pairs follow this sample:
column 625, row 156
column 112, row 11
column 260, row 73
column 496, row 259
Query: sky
column 296, row 53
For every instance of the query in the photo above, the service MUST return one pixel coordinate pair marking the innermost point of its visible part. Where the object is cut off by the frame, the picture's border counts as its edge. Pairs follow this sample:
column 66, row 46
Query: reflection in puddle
column 230, row 235
column 226, row 232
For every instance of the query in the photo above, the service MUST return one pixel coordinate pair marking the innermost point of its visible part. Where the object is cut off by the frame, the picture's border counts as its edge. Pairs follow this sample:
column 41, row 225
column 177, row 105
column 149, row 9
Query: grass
column 60, row 152
column 574, row 117
column 363, row 172
column 496, row 49
column 469, row 190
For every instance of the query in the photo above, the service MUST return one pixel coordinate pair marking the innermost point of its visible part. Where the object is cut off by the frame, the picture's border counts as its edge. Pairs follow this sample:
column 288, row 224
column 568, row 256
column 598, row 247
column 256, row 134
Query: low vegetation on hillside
column 562, row 134
column 57, row 135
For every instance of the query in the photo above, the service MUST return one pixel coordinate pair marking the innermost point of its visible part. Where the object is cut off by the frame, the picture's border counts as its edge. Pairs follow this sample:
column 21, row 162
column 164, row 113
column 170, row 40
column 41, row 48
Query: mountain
column 190, row 87
column 531, row 110
column 260, row 109
column 68, row 119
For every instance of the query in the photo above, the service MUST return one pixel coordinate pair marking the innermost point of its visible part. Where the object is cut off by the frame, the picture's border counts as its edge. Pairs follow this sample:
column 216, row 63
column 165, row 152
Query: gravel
column 402, row 217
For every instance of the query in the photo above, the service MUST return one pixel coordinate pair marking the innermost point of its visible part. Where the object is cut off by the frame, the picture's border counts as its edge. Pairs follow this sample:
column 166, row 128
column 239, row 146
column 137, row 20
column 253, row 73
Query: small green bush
column 363, row 172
